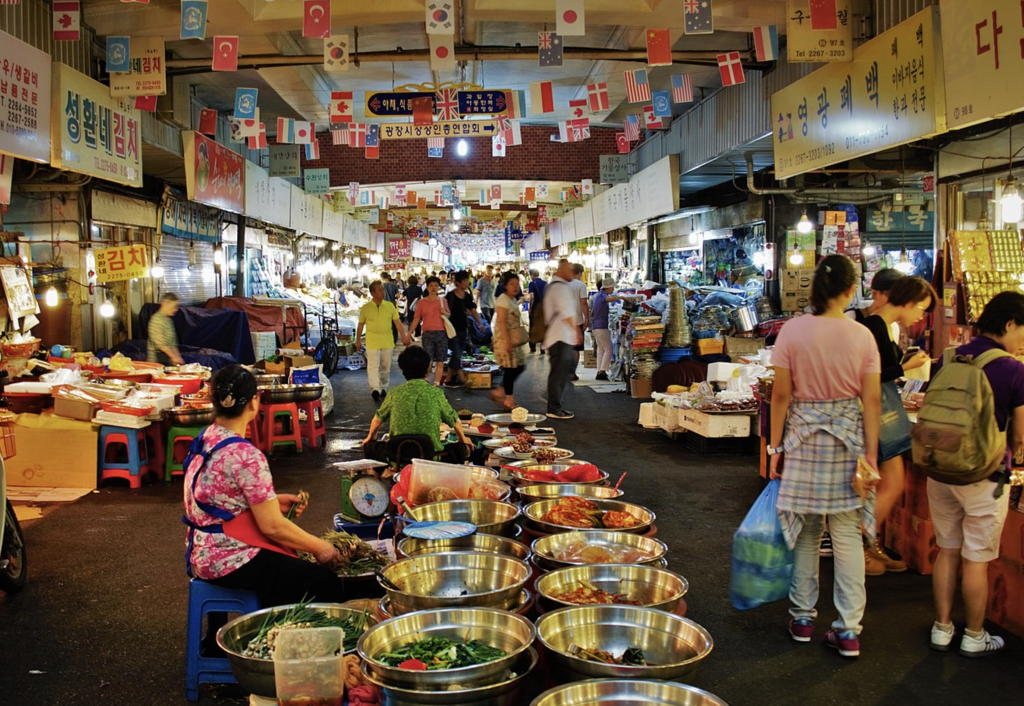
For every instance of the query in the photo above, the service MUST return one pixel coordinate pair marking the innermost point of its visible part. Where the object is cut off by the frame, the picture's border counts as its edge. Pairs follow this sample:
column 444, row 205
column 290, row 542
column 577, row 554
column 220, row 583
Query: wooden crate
column 478, row 381
column 715, row 426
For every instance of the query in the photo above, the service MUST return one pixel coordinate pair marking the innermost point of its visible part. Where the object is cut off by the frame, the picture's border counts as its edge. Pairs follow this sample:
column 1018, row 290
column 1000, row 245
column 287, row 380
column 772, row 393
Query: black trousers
column 278, row 579
column 509, row 376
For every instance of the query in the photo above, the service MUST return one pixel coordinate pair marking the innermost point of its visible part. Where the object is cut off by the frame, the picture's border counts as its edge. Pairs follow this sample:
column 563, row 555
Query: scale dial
column 369, row 496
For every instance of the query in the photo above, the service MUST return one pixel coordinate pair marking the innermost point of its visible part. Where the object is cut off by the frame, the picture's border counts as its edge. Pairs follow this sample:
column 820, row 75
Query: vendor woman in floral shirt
column 238, row 534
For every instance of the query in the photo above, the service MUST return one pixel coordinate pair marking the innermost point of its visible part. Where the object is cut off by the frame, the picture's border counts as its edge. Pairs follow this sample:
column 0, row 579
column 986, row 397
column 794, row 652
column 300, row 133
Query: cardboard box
column 589, row 359
column 740, row 345
column 39, row 461
column 667, row 418
column 796, row 280
column 647, row 415
column 640, row 389
column 715, row 426
column 796, row 300
column 478, row 381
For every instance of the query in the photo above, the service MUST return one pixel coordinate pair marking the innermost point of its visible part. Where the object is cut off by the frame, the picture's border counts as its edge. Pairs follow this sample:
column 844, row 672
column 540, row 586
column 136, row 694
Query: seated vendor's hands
column 327, row 555
column 916, row 361
column 287, row 500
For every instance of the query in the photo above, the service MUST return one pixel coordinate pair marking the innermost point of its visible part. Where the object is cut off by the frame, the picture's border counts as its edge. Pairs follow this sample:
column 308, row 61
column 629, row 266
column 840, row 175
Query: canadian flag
column 316, row 18
column 578, row 108
column 67, row 21
column 341, row 107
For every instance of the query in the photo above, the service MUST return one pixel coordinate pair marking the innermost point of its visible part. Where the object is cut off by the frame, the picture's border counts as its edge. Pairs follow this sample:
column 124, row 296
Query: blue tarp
column 224, row 330
column 212, row 359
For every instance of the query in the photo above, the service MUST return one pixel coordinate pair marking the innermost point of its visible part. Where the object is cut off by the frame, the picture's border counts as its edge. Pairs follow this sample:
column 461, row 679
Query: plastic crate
column 8, row 449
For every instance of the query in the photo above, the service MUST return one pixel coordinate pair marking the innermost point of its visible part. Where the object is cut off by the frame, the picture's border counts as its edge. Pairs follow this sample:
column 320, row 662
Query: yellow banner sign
column 121, row 263
column 457, row 128
column 94, row 133
column 148, row 76
column 804, row 43
column 983, row 49
column 890, row 94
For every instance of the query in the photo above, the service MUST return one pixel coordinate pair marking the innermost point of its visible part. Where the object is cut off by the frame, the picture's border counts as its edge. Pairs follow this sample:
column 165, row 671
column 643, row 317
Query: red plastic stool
column 254, row 433
column 155, row 446
column 314, row 428
column 288, row 414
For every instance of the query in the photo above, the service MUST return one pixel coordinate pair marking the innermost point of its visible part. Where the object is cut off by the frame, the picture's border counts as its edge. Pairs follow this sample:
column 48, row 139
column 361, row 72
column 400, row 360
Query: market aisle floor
column 102, row 620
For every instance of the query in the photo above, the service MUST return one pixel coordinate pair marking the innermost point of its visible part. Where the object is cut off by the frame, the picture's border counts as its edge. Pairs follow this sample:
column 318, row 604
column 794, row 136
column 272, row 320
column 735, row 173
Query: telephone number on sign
column 16, row 119
column 831, row 53
column 815, row 153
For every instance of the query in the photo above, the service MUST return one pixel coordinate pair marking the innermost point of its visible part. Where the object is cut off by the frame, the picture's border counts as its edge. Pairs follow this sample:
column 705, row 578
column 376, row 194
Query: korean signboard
column 267, row 198
column 458, row 128
column 983, row 47
column 317, row 181
column 540, row 256
column 148, row 76
column 614, row 169
column 24, row 100
column 214, row 175
column 93, row 133
column 912, row 219
column 806, row 43
column 479, row 102
column 284, row 161
column 187, row 219
column 399, row 249
column 890, row 94
column 307, row 212
column 120, row 264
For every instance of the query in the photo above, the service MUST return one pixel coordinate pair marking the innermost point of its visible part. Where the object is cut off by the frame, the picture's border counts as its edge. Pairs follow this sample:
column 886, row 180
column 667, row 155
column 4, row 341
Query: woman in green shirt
column 417, row 407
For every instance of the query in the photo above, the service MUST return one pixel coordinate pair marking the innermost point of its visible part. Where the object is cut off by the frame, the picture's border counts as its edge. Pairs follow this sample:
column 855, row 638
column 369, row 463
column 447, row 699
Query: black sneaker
column 561, row 414
column 574, row 377
column 601, row 376
column 375, row 395
column 383, row 394
column 452, row 384
column 826, row 545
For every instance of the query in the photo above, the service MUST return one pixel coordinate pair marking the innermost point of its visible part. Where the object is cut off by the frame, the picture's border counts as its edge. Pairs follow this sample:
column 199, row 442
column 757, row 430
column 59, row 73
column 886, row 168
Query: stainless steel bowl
column 674, row 646
column 651, row 586
column 534, row 511
column 507, row 692
column 498, row 628
column 489, row 543
column 546, row 491
column 489, row 516
column 266, row 379
column 623, row 692
column 546, row 549
column 191, row 416
column 257, row 675
column 556, row 466
column 308, row 392
column 522, row 605
column 277, row 394
column 451, row 579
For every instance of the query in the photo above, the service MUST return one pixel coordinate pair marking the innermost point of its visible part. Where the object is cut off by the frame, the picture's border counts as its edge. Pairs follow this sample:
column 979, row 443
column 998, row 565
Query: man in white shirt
column 579, row 288
column 563, row 333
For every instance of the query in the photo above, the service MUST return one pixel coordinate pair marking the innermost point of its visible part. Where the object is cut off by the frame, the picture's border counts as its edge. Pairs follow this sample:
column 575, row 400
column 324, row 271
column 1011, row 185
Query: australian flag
column 549, row 49
column 697, row 17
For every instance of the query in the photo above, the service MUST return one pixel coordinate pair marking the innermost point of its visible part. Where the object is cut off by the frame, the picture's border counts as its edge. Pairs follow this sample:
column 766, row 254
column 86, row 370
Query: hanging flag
column 587, row 187
column 339, row 135
column 193, row 19
column 637, row 88
column 651, row 121
column 440, row 17
column 682, row 88
column 447, row 103
column 697, row 17
column 564, row 132
column 336, row 53
column 516, row 102
column 67, row 21
column 147, row 103
column 442, row 52
column 341, row 106
column 304, row 132
column 208, row 121
column 632, row 126
column 823, row 14
column 578, row 107
column 622, row 143
column 580, row 129
column 119, row 51
column 496, row 192
column 514, row 134
column 316, row 18
column 597, row 93
column 570, row 18
column 731, row 68
column 421, row 202
column 285, row 131
column 542, row 98
column 225, row 54
column 498, row 145
column 241, row 129
column 313, row 150
column 549, row 49
column 245, row 103
column 766, row 43
column 542, row 190
column 372, row 149
column 662, row 103
column 422, row 111
column 530, row 194
column 259, row 141
column 357, row 135
column 400, row 194
column 659, row 47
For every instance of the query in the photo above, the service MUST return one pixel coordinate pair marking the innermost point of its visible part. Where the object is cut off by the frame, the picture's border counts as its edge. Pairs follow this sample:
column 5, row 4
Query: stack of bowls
column 489, row 516
column 482, row 543
column 652, row 587
column 639, row 549
column 626, row 692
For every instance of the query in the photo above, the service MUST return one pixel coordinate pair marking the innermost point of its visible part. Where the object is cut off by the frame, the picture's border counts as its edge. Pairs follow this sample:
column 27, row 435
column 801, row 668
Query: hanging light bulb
column 1011, row 203
column 193, row 256
column 335, row 245
column 218, row 256
column 869, row 250
column 107, row 309
column 804, row 225
column 796, row 257
column 462, row 148
column 455, row 227
column 904, row 264
column 51, row 297
column 157, row 270
column 356, row 260
column 457, row 214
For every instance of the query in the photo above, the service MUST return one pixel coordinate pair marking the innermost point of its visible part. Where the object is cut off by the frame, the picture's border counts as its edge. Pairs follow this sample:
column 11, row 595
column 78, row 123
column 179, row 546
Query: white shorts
column 968, row 518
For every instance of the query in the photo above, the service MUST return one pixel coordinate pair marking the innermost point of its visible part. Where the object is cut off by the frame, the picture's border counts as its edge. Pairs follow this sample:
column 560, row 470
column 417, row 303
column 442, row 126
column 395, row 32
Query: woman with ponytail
column 826, row 408
column 239, row 535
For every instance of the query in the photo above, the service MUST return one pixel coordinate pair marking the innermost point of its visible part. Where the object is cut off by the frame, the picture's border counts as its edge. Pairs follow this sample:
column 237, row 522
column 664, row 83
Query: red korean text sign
column 120, row 264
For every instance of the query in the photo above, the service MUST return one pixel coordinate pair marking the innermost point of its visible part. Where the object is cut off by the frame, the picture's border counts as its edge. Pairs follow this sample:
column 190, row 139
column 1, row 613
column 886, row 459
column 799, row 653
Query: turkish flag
column 225, row 53
column 316, row 18
column 622, row 143
column 208, row 121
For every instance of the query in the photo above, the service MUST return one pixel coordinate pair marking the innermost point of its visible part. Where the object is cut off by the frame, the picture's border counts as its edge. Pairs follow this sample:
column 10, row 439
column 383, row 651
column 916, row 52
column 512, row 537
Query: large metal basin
column 452, row 579
column 489, row 543
column 546, row 549
column 278, row 394
column 556, row 466
column 191, row 416
column 309, row 392
column 489, row 516
column 673, row 645
column 622, row 692
column 652, row 586
column 534, row 511
column 498, row 628
column 547, row 491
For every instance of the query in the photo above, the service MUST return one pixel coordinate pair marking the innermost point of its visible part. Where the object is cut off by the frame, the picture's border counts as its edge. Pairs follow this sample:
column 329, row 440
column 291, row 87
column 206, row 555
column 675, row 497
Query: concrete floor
column 102, row 620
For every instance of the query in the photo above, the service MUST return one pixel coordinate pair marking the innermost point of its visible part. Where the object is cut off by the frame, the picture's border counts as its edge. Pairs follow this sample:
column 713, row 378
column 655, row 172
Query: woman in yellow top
column 377, row 317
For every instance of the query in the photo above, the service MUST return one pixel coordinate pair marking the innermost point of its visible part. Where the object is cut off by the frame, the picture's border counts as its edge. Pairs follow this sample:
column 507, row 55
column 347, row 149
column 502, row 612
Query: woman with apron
column 238, row 534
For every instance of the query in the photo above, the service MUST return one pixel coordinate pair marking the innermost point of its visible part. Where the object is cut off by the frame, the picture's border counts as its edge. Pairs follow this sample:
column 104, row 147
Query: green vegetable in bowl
column 441, row 653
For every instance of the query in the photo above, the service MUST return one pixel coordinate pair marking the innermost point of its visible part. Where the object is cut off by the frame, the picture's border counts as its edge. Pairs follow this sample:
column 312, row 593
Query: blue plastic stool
column 134, row 441
column 203, row 598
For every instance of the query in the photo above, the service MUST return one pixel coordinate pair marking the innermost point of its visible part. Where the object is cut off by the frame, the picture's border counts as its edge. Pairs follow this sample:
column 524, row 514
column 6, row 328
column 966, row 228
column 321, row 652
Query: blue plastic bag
column 762, row 563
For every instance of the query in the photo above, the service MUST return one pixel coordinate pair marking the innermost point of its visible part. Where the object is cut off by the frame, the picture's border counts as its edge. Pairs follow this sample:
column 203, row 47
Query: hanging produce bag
column 762, row 564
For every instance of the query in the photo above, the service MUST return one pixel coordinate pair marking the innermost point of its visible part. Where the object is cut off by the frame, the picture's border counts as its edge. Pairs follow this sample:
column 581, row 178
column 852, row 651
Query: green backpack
column 957, row 439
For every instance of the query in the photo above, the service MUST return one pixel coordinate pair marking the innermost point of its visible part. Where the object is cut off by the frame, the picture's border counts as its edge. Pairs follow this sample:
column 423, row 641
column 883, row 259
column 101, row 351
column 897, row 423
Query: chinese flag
column 208, row 121
column 659, row 47
column 316, row 18
column 423, row 111
column 622, row 143
column 421, row 203
column 411, row 198
column 225, row 53
column 823, row 14
column 147, row 103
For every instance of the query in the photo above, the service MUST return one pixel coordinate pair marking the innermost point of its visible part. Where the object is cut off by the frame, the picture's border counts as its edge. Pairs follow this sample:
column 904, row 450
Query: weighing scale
column 364, row 498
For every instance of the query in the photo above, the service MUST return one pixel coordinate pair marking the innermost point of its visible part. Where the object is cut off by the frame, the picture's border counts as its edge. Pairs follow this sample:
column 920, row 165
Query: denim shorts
column 436, row 344
column 459, row 344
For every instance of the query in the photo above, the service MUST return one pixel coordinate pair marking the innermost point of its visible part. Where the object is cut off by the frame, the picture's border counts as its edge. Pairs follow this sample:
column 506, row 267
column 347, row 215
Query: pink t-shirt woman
column 429, row 312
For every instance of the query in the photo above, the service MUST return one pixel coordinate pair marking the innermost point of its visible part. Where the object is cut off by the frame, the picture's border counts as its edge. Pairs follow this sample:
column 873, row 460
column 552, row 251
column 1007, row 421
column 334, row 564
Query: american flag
column 447, row 104
column 637, row 88
column 682, row 89
column 597, row 93
column 339, row 134
column 632, row 127
column 435, row 147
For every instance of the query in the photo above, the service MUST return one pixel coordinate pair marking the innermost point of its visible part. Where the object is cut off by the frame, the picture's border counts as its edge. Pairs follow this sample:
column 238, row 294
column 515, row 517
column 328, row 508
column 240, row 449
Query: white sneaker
column 941, row 639
column 981, row 646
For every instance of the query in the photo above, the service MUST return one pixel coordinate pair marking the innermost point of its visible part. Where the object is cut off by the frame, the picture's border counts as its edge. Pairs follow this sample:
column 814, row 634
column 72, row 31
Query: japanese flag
column 442, row 52
column 570, row 18
column 498, row 145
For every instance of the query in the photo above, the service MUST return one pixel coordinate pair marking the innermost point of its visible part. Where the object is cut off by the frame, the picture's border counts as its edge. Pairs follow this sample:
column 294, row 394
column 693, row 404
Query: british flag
column 580, row 129
column 544, row 40
column 638, row 89
column 447, row 104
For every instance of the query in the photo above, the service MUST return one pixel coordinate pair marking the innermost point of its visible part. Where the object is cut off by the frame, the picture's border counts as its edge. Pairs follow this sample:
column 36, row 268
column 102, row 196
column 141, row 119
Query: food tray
column 534, row 511
column 120, row 408
column 506, row 418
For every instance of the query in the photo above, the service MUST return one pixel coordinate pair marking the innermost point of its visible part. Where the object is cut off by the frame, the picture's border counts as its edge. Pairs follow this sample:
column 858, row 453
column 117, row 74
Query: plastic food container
column 308, row 667
column 427, row 475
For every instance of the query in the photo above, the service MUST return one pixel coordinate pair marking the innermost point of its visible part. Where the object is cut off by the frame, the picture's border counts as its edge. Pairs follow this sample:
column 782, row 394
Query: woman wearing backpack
column 968, row 519
column 826, row 406
column 908, row 300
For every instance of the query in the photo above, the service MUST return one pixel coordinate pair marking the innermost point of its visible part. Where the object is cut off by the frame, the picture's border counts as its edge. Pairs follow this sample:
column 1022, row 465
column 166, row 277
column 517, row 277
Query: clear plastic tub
column 309, row 667
column 428, row 475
